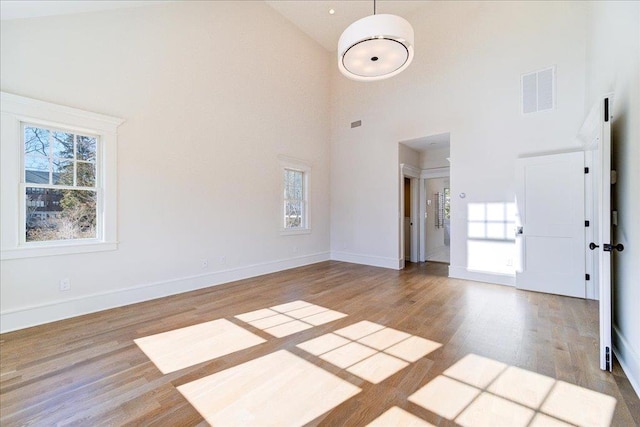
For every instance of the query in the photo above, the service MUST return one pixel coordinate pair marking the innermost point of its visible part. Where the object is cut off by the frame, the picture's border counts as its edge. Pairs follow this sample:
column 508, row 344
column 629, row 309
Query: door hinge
column 586, row 170
column 606, row 109
column 586, row 223
column 608, row 358
column 608, row 247
column 587, row 277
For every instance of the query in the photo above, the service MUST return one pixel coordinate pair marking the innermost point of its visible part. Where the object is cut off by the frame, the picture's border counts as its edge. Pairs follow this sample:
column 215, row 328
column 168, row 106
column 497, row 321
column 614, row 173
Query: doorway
column 424, row 214
column 437, row 230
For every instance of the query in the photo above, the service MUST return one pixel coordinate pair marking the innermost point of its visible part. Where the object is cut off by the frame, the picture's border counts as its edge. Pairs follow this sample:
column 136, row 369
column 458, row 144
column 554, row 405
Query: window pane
column 60, row 214
column 86, row 174
column 63, row 172
column 447, row 203
column 85, row 148
column 293, row 214
column 293, row 184
column 36, row 170
column 36, row 141
column 288, row 184
column 63, row 145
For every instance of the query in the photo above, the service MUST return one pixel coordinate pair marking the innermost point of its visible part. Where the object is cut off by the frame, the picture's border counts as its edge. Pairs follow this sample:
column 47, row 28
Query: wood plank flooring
column 88, row 370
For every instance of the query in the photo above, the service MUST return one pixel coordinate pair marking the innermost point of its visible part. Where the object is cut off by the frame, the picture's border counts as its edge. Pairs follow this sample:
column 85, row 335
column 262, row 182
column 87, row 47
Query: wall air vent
column 538, row 90
column 356, row 124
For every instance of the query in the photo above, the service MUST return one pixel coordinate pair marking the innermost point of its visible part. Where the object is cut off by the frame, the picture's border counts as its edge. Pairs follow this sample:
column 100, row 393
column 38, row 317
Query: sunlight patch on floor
column 445, row 397
column 368, row 350
column 478, row 391
column 287, row 319
column 178, row 349
column 279, row 389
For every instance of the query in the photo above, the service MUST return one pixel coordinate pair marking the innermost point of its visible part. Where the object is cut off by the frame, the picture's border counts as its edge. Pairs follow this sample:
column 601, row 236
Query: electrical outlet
column 223, row 260
column 295, row 249
column 509, row 262
column 65, row 284
column 204, row 264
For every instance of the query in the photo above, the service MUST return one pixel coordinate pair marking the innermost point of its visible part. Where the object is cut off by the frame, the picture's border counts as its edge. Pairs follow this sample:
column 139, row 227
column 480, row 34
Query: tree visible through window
column 60, row 184
column 294, row 199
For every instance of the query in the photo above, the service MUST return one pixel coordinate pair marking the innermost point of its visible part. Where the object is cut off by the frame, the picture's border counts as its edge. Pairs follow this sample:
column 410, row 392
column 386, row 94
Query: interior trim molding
column 457, row 272
column 12, row 320
column 628, row 358
column 443, row 172
column 372, row 260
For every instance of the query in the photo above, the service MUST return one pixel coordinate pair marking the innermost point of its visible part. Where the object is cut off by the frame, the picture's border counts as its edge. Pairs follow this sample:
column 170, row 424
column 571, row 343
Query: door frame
column 413, row 173
column 425, row 174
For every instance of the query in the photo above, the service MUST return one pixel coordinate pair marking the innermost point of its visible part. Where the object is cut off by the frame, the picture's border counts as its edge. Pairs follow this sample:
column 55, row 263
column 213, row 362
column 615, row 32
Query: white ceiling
column 429, row 142
column 311, row 16
column 16, row 9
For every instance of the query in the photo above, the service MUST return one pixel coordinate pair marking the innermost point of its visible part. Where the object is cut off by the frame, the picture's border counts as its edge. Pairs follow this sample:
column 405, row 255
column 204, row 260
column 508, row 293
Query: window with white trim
column 58, row 179
column 295, row 196
column 60, row 184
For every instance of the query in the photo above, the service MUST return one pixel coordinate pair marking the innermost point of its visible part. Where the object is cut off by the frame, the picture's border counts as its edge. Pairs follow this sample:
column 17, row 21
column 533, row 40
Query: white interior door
column 550, row 223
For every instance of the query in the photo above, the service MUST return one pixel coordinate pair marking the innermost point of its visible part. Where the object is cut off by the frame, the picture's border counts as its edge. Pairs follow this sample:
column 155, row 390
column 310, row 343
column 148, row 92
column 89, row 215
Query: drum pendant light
column 376, row 47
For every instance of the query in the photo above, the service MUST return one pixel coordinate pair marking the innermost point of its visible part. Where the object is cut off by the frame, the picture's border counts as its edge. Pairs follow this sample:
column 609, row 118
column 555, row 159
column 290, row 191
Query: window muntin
column 60, row 184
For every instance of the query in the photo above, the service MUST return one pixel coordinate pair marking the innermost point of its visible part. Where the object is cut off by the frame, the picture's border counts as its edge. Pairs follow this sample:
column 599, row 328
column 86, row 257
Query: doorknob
column 592, row 246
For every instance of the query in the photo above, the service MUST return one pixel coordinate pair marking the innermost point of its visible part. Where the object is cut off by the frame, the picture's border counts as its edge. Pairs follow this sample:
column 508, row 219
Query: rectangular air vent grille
column 538, row 91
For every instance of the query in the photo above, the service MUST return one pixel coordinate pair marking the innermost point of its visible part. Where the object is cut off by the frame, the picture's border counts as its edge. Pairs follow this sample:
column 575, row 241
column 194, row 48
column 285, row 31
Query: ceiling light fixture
column 376, row 47
column 332, row 11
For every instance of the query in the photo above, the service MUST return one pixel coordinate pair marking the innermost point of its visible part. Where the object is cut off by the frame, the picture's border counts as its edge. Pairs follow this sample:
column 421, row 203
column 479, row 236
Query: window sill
column 59, row 249
column 293, row 232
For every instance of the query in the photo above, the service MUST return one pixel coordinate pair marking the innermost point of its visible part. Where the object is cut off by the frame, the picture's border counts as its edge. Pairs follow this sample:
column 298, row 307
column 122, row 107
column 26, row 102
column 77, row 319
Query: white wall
column 465, row 79
column 408, row 156
column 613, row 65
column 212, row 93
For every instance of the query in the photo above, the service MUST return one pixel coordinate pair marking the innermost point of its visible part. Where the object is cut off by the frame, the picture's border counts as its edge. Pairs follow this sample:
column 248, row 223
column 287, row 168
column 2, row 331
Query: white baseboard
column 457, row 272
column 21, row 318
column 628, row 358
column 375, row 261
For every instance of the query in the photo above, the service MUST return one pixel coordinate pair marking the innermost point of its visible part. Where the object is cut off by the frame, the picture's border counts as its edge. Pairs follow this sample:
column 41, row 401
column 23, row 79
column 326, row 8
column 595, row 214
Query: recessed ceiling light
column 331, row 11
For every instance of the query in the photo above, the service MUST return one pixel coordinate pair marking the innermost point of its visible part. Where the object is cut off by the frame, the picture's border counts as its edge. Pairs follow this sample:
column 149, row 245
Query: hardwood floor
column 88, row 370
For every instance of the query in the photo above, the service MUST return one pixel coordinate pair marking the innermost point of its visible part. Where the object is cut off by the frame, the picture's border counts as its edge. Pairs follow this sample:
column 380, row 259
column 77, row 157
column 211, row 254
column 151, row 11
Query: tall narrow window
column 295, row 196
column 294, row 200
column 60, row 184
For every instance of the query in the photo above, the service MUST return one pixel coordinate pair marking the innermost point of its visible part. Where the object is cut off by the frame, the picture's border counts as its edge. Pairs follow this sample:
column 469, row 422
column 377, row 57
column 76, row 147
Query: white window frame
column 288, row 163
column 16, row 112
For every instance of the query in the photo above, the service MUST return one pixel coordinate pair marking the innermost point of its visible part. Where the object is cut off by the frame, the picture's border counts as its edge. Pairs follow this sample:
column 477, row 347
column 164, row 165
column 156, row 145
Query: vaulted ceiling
column 311, row 16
